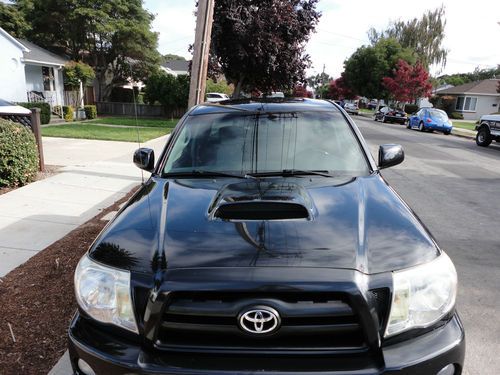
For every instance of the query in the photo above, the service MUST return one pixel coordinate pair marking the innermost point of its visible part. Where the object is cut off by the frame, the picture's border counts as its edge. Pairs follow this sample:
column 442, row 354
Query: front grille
column 309, row 322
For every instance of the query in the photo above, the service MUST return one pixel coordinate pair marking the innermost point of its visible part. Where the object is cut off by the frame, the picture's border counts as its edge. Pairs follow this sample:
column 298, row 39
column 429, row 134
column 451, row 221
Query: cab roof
column 265, row 105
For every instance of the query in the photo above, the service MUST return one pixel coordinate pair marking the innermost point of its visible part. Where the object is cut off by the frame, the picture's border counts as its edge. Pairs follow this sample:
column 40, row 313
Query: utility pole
column 199, row 64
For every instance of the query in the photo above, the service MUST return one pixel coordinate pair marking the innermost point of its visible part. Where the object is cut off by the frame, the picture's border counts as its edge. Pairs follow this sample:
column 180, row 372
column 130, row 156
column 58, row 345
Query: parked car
column 429, row 119
column 214, row 97
column 351, row 108
column 488, row 130
column 12, row 109
column 266, row 241
column 387, row 114
column 372, row 104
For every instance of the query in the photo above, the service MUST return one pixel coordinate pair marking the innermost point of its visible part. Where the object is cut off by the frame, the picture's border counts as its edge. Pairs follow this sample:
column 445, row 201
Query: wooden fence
column 143, row 110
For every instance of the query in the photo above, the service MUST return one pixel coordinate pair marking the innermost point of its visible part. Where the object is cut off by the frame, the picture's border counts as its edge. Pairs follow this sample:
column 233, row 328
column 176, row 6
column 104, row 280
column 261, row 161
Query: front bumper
column 108, row 354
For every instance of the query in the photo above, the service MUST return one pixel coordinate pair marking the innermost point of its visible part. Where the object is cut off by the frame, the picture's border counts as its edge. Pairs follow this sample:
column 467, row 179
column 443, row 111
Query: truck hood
column 346, row 223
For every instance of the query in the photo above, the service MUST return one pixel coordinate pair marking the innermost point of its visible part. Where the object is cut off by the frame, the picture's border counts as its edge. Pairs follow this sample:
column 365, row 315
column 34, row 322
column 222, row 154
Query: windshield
column 262, row 143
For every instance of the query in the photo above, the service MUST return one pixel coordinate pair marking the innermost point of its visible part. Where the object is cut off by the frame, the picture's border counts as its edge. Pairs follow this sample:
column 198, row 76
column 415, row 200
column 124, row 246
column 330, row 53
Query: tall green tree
column 260, row 44
column 13, row 21
column 364, row 70
column 170, row 57
column 425, row 36
column 112, row 36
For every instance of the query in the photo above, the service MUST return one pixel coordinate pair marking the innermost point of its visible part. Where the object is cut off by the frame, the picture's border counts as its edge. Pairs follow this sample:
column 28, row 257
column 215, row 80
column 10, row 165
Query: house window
column 466, row 103
column 48, row 78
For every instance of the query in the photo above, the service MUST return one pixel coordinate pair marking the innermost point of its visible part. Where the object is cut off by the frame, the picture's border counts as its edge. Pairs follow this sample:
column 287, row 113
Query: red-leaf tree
column 409, row 83
column 338, row 89
column 300, row 91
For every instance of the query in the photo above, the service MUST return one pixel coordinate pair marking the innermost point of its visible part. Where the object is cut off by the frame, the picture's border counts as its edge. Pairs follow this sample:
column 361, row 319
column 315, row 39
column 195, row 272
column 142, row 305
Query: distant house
column 475, row 99
column 29, row 72
column 176, row 67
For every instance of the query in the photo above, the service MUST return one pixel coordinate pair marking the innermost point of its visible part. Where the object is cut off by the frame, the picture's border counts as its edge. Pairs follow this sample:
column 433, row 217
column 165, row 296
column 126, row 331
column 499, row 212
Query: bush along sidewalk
column 44, row 110
column 90, row 112
column 18, row 155
column 67, row 112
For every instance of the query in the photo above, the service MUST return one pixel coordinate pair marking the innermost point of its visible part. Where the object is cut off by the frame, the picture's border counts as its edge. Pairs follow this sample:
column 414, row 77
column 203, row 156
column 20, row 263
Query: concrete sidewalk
column 94, row 174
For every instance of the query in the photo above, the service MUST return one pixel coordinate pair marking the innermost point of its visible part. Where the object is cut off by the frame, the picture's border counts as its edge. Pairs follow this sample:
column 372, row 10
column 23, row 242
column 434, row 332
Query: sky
column 472, row 33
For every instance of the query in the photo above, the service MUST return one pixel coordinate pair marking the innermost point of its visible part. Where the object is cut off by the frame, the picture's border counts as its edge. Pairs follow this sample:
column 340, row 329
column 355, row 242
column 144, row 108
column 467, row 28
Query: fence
column 143, row 110
column 31, row 121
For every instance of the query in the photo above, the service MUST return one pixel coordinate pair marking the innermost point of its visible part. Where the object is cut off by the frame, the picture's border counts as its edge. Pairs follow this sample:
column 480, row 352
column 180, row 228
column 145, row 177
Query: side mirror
column 144, row 158
column 389, row 155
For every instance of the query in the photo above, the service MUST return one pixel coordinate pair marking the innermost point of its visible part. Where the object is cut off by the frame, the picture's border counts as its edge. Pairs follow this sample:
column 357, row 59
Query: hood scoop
column 262, row 200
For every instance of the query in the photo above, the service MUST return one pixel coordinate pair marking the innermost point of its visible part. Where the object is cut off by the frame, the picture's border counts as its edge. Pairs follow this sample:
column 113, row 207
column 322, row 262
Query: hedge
column 44, row 110
column 67, row 112
column 18, row 154
column 90, row 112
column 456, row 116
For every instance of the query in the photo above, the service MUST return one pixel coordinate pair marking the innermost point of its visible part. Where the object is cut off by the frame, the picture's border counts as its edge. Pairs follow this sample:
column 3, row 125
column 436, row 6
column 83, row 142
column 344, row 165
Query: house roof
column 177, row 65
column 484, row 87
column 40, row 55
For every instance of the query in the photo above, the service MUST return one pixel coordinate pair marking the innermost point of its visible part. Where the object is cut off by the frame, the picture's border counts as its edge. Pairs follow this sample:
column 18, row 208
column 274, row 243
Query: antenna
column 137, row 127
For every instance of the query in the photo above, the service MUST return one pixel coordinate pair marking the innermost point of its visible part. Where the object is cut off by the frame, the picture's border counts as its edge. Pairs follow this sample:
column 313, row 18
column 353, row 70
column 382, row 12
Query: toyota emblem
column 260, row 320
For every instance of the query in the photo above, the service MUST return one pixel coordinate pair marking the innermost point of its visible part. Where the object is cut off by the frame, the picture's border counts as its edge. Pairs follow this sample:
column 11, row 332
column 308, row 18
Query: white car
column 12, row 109
column 351, row 108
column 214, row 97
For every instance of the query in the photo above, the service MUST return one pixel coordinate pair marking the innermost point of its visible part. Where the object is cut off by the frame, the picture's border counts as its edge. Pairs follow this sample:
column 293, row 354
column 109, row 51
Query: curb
column 463, row 133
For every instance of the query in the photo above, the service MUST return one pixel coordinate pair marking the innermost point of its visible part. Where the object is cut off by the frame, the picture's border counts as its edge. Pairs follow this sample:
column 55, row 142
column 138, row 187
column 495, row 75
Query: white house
column 475, row 99
column 29, row 73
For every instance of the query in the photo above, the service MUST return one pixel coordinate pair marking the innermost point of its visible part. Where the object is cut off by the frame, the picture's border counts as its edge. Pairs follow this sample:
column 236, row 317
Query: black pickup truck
column 488, row 130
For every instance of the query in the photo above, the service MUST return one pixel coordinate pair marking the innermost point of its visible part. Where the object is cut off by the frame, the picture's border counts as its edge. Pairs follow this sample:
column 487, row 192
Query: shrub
column 456, row 116
column 44, row 110
column 18, row 154
column 90, row 112
column 68, row 113
column 411, row 108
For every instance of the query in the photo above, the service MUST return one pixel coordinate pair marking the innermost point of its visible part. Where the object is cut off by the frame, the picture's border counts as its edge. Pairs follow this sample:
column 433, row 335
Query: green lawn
column 464, row 125
column 107, row 133
column 130, row 121
column 365, row 110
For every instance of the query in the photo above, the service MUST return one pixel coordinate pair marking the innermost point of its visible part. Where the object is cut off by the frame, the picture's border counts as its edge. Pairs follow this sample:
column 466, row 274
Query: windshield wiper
column 292, row 172
column 205, row 173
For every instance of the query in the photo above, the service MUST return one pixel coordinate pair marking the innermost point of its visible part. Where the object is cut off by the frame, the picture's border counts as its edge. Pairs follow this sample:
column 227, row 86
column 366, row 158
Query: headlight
column 422, row 295
column 104, row 293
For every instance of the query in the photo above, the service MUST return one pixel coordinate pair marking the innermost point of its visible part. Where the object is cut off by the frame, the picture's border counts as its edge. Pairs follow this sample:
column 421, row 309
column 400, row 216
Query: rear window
column 438, row 114
column 253, row 143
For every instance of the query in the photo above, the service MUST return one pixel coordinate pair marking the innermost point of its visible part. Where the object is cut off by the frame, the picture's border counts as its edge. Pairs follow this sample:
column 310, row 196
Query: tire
column 408, row 126
column 447, row 132
column 483, row 137
column 421, row 126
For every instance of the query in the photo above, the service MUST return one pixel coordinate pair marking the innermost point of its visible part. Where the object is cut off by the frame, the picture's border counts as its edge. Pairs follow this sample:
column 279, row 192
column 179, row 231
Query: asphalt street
column 454, row 187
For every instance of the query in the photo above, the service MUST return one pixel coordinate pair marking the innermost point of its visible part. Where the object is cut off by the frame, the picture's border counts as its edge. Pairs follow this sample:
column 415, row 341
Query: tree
column 409, row 82
column 338, row 89
column 319, row 83
column 219, row 86
column 12, row 20
column 112, row 36
column 76, row 72
column 424, row 36
column 168, row 90
column 260, row 44
column 170, row 57
column 300, row 91
column 364, row 70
